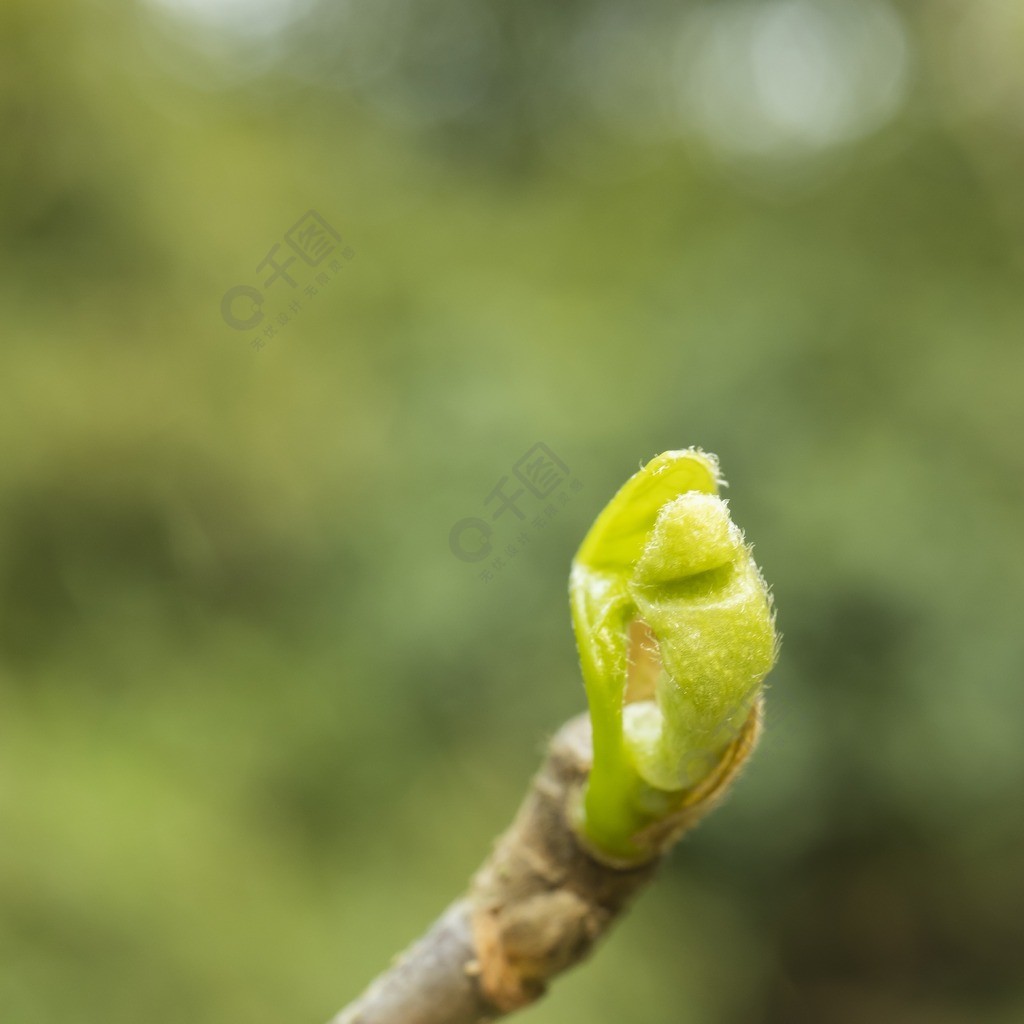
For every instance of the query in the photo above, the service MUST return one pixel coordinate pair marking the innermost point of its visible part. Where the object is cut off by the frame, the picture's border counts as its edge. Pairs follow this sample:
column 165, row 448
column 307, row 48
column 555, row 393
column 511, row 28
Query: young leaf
column 675, row 633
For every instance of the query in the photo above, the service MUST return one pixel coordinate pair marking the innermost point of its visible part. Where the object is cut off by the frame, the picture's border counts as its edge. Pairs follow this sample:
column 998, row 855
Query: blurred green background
column 258, row 724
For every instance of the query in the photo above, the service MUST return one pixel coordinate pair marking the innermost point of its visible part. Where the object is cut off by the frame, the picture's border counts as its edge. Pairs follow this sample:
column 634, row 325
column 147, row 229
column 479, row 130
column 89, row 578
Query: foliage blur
column 258, row 723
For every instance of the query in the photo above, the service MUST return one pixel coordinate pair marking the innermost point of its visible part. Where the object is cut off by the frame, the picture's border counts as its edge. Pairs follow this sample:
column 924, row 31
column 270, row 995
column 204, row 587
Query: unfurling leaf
column 675, row 633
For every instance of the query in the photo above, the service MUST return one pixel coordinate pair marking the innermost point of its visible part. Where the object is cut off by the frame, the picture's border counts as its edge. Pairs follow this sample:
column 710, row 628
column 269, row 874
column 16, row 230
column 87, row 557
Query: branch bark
column 537, row 905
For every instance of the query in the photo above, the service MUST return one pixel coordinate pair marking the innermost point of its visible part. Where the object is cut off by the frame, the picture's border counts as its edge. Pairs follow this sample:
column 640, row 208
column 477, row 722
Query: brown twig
column 537, row 906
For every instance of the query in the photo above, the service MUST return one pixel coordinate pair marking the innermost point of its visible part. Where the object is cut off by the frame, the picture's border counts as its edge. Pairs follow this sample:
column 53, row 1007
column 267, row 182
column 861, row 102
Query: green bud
column 675, row 633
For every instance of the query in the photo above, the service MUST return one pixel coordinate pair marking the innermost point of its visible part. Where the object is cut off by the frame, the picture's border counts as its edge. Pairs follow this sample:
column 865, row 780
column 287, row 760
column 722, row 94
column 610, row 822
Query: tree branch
column 538, row 904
